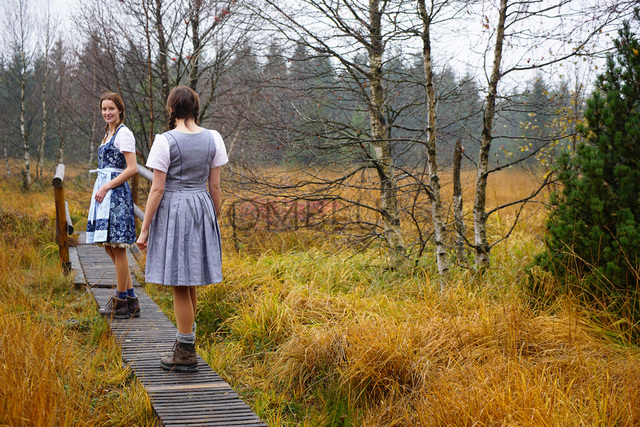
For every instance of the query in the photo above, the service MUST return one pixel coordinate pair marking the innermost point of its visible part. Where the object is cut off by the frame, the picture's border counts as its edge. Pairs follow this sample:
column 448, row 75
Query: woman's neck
column 187, row 125
column 113, row 127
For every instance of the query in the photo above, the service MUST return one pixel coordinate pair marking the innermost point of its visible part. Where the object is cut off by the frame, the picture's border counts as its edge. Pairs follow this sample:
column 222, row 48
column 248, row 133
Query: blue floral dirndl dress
column 111, row 222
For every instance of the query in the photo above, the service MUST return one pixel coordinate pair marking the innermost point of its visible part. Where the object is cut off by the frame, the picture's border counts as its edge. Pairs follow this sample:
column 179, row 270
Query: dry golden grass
column 320, row 338
column 58, row 364
column 311, row 336
column 314, row 337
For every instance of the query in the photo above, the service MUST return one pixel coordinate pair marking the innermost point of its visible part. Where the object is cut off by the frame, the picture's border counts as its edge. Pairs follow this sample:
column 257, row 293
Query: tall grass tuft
column 312, row 332
column 317, row 337
column 58, row 364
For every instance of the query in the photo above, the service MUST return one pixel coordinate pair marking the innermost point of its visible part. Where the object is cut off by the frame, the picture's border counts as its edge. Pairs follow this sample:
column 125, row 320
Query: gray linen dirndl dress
column 184, row 246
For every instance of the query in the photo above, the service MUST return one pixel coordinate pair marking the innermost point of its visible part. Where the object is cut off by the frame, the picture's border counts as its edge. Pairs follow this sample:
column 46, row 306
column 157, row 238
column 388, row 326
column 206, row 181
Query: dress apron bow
column 98, row 221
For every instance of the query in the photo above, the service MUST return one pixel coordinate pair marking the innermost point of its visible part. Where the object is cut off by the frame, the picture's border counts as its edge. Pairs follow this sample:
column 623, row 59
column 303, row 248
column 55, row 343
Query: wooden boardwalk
column 178, row 399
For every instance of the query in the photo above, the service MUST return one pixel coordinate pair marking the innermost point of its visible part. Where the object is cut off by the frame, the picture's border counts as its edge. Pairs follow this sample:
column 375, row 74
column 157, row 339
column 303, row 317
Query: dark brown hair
column 184, row 103
column 117, row 99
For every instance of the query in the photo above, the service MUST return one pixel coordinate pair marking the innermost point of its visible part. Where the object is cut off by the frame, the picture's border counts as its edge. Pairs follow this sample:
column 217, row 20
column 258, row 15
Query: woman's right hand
column 142, row 239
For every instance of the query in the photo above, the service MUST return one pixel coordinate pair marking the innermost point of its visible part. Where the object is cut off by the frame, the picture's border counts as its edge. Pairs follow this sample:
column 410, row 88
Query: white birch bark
column 94, row 124
column 458, row 212
column 26, row 172
column 43, row 135
column 440, row 233
column 62, row 142
column 479, row 207
column 46, row 49
column 22, row 24
column 6, row 158
column 381, row 144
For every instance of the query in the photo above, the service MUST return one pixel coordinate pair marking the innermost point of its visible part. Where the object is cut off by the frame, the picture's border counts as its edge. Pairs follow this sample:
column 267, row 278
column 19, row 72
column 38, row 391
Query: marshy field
column 314, row 332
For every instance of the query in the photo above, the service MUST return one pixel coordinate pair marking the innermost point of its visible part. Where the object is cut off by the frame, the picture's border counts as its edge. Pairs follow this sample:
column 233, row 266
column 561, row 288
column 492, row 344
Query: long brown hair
column 117, row 99
column 184, row 103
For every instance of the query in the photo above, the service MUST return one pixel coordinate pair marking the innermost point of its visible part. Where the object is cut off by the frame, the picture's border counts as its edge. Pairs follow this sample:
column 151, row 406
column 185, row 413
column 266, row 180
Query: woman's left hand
column 142, row 239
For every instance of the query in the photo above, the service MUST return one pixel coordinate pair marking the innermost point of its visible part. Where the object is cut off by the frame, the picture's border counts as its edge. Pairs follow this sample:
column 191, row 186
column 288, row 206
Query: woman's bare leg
column 183, row 307
column 123, row 273
column 194, row 298
column 109, row 252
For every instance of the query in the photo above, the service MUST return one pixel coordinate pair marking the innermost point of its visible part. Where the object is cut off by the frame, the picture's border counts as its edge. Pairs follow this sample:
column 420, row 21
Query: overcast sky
column 447, row 52
column 63, row 9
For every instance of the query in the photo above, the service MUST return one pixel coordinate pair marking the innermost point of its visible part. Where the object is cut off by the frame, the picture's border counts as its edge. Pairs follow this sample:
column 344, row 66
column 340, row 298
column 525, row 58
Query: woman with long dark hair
column 180, row 228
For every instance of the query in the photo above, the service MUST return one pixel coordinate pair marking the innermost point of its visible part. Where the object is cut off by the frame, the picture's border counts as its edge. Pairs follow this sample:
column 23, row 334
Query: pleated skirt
column 184, row 247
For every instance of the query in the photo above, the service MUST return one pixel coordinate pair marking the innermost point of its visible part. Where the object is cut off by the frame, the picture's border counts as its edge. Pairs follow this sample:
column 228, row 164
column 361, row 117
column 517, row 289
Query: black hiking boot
column 134, row 306
column 183, row 359
column 116, row 308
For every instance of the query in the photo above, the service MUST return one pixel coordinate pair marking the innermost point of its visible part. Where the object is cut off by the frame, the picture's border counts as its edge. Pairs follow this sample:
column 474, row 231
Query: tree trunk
column 196, row 44
column 152, row 118
column 60, row 156
column 458, row 213
column 26, row 171
column 6, row 158
column 381, row 144
column 94, row 124
column 434, row 177
column 45, row 78
column 479, row 208
column 43, row 136
column 163, row 57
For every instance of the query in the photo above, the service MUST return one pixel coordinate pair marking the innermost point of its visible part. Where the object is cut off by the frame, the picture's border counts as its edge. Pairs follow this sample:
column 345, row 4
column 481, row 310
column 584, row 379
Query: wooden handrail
column 67, row 215
column 146, row 174
column 64, row 226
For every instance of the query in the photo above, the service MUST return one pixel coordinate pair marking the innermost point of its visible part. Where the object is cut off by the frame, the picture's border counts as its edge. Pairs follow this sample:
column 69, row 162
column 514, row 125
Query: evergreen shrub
column 593, row 228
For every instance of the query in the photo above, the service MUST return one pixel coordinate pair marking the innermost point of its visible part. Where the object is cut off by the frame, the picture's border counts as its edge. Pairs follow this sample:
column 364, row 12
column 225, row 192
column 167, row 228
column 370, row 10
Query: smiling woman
column 111, row 222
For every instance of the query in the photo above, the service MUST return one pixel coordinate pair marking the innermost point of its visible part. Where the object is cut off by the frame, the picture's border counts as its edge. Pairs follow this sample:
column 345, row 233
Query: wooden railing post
column 62, row 218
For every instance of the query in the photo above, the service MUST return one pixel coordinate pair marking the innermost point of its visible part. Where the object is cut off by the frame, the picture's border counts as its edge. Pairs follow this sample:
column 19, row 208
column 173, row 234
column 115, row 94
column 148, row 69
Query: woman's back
column 191, row 157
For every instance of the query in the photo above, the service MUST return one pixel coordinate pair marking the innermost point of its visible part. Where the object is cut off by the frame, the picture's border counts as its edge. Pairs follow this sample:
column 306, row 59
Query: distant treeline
column 272, row 99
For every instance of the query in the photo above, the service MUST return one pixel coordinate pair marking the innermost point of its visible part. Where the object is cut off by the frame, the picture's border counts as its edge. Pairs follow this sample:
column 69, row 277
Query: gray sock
column 193, row 328
column 186, row 338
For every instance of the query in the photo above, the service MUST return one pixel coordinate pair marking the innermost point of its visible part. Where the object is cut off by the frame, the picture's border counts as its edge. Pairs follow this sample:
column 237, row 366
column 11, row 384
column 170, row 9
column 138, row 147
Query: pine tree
column 593, row 230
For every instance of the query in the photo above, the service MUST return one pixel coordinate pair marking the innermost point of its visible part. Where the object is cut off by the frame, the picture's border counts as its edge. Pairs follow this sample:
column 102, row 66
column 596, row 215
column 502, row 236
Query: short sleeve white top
column 160, row 153
column 125, row 141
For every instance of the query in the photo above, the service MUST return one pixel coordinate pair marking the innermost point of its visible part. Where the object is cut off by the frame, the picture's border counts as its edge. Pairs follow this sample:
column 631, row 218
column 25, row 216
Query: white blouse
column 160, row 153
column 125, row 141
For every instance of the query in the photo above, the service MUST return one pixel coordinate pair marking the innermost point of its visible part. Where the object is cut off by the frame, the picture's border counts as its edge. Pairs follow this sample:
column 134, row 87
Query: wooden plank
column 178, row 398
column 79, row 279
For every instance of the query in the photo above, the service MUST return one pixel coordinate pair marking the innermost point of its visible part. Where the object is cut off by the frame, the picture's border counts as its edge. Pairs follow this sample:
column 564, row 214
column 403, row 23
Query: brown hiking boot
column 116, row 308
column 183, row 359
column 134, row 306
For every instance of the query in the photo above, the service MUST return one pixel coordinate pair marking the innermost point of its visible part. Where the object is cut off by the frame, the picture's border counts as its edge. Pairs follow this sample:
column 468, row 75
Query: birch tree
column 48, row 29
column 363, row 30
column 62, row 70
column 4, row 75
column 519, row 28
column 430, row 16
column 19, row 22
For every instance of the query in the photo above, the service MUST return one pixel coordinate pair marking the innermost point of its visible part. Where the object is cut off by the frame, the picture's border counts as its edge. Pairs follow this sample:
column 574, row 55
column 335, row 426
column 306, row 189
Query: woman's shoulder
column 161, row 139
column 125, row 131
column 215, row 133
